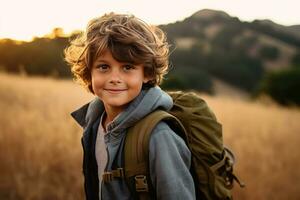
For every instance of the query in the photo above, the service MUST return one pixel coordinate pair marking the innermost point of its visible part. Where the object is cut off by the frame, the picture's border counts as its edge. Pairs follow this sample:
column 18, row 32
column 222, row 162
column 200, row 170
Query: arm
column 170, row 161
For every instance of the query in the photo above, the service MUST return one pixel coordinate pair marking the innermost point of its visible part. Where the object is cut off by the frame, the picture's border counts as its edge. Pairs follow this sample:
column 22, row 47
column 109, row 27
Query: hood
column 146, row 102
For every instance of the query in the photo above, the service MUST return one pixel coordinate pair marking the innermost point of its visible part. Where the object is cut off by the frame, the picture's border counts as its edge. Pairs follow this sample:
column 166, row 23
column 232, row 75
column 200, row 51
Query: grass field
column 40, row 148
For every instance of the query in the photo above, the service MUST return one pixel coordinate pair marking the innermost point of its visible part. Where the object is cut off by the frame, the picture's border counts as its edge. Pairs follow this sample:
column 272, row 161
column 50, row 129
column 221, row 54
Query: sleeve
column 170, row 161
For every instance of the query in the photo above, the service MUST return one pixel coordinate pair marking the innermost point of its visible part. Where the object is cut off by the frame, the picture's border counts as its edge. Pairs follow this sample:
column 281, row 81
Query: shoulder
column 163, row 137
column 168, row 154
column 162, row 129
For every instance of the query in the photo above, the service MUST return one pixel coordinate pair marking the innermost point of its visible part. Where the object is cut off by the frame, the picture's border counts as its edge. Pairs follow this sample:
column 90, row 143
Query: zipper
column 84, row 154
column 108, row 158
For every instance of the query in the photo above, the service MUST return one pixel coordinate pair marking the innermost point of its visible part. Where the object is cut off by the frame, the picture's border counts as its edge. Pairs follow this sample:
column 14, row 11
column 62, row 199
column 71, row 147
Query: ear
column 146, row 79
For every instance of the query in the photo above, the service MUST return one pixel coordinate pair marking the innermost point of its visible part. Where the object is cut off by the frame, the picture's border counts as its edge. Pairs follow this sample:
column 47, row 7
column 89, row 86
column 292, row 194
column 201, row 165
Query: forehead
column 106, row 56
column 119, row 53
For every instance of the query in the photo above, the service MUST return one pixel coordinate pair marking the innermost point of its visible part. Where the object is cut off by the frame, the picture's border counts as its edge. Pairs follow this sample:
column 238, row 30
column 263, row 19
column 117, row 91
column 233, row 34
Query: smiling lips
column 115, row 91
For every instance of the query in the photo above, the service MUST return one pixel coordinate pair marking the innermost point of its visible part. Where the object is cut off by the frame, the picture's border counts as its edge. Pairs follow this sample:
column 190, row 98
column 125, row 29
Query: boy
column 122, row 60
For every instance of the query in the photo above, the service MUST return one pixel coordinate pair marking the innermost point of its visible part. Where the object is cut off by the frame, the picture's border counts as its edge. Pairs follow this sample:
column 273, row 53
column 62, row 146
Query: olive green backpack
column 192, row 119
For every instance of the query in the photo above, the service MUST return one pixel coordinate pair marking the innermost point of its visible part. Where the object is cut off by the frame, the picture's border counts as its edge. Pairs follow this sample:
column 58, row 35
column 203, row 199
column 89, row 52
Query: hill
column 295, row 29
column 221, row 46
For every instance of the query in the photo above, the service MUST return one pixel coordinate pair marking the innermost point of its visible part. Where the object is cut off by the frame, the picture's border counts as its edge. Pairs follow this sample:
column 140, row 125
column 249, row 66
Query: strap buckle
column 141, row 184
column 119, row 173
column 107, row 176
column 110, row 175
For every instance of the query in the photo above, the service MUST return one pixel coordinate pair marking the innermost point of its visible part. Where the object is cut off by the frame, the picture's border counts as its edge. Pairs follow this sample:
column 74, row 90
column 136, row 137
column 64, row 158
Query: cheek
column 137, row 81
column 97, row 82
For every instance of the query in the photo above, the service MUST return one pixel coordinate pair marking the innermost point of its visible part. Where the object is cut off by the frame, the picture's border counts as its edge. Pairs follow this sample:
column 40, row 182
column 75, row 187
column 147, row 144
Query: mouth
column 115, row 91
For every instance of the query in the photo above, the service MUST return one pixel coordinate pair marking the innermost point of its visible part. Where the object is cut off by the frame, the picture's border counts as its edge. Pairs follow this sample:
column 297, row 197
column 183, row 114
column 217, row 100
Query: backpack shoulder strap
column 136, row 150
column 137, row 142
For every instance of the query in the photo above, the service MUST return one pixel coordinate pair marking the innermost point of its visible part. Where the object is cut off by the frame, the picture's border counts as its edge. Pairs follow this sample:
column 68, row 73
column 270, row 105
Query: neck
column 111, row 114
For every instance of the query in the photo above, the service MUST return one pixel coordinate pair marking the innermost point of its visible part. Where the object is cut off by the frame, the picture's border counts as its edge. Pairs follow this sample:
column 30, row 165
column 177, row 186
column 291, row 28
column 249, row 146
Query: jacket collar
column 88, row 113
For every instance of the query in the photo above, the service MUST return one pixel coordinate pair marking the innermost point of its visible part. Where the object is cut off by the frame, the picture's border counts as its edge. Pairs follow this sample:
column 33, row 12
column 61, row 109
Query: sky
column 24, row 19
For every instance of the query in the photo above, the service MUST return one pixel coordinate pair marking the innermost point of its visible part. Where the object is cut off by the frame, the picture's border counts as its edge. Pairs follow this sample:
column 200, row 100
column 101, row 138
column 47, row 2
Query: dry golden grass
column 40, row 148
column 39, row 143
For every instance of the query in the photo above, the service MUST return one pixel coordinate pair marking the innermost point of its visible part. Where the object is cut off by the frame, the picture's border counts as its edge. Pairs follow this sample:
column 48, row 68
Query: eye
column 102, row 67
column 128, row 67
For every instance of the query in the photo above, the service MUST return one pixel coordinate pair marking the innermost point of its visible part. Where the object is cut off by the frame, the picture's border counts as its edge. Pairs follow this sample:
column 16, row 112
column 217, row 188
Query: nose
column 115, row 76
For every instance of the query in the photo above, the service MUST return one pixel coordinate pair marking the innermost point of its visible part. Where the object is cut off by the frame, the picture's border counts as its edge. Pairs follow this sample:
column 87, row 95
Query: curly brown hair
column 128, row 38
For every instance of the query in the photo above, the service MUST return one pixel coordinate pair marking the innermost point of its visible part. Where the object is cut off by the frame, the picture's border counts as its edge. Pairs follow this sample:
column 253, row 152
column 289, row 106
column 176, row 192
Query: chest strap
column 110, row 175
column 140, row 180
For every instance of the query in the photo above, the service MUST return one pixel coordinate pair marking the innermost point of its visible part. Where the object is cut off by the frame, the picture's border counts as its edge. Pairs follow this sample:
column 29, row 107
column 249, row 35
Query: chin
column 117, row 104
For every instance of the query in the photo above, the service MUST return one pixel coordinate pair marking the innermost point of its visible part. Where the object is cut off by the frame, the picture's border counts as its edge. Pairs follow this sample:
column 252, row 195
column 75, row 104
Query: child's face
column 116, row 83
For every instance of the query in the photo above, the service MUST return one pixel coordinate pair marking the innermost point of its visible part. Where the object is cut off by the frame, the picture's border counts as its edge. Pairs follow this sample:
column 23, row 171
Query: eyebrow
column 106, row 61
column 101, row 60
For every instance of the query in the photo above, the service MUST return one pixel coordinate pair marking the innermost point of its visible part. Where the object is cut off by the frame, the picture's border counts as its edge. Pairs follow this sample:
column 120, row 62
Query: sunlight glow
column 25, row 19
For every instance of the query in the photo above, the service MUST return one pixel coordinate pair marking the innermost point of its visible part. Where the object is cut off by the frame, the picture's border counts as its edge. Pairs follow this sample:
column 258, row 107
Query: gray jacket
column 169, row 157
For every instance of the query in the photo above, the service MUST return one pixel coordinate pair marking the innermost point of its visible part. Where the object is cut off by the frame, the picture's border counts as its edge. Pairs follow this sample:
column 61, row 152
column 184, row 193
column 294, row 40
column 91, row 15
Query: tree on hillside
column 283, row 86
column 269, row 52
column 41, row 56
column 10, row 55
column 187, row 78
column 296, row 60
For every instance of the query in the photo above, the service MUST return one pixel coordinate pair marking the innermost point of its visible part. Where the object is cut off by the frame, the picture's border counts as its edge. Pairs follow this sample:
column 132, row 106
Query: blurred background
column 242, row 57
